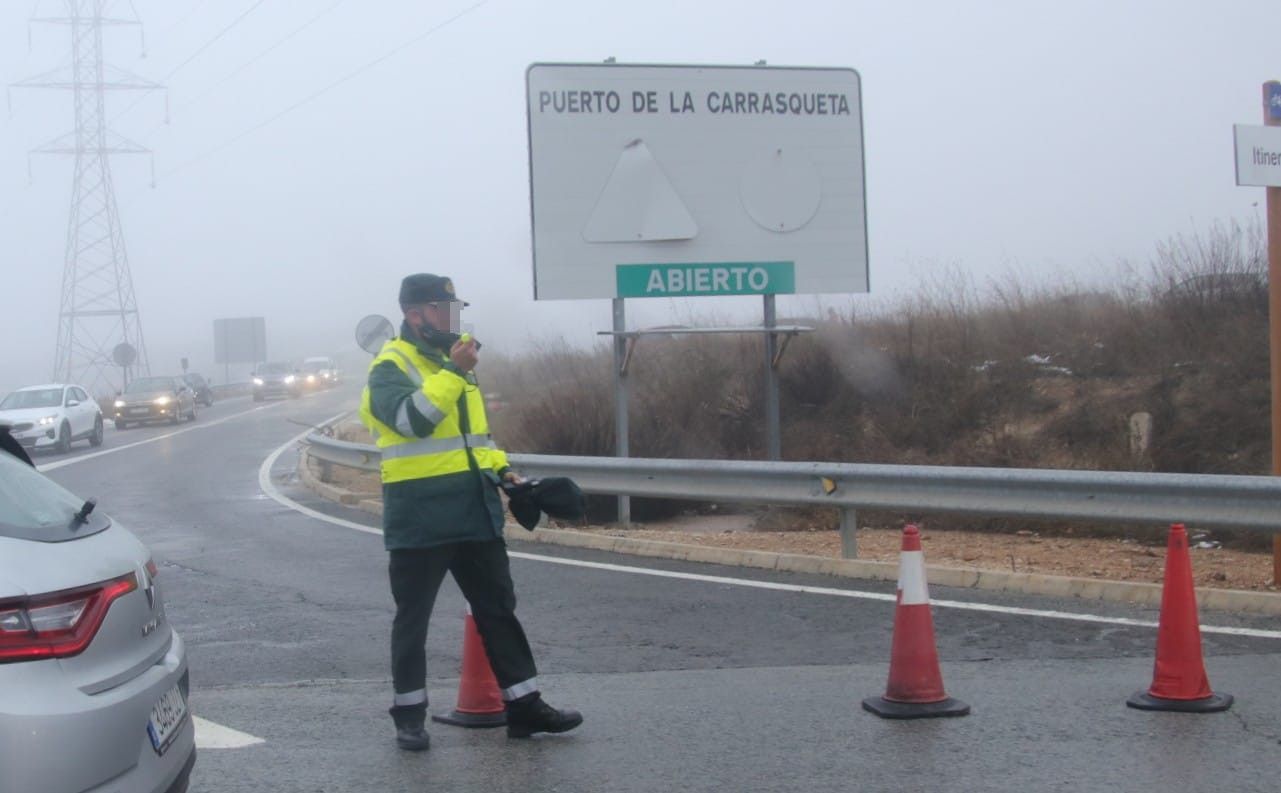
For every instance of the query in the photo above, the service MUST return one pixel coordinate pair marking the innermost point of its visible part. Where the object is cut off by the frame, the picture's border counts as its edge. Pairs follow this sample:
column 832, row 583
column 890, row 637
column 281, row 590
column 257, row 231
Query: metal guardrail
column 1202, row 500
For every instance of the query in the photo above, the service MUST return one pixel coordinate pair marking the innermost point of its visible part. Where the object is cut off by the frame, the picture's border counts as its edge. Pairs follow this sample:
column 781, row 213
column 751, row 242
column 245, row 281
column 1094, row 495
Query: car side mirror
column 73, row 403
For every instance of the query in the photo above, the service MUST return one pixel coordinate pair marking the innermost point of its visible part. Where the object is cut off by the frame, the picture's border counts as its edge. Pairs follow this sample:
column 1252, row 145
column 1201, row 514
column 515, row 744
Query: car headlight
column 311, row 378
column 289, row 379
column 164, row 400
column 47, row 420
column 120, row 403
column 257, row 381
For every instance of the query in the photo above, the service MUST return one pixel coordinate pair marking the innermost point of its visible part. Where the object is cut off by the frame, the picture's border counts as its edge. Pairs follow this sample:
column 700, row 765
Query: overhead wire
column 279, row 43
column 326, row 89
column 199, row 50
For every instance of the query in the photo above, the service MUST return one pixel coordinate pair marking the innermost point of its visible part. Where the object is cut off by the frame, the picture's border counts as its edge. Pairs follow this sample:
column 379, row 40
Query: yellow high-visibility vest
column 406, row 456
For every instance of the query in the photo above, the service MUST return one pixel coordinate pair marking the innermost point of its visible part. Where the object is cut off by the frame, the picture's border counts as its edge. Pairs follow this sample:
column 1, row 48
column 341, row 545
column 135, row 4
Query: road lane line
column 264, row 481
column 265, row 484
column 210, row 735
column 190, row 428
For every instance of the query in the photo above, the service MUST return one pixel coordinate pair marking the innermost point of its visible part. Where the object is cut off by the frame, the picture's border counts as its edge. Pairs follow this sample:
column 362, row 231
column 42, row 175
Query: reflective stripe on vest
column 437, row 445
column 409, row 367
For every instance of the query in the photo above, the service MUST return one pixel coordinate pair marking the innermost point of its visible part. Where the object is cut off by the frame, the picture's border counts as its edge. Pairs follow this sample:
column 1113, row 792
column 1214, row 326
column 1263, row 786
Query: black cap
column 426, row 288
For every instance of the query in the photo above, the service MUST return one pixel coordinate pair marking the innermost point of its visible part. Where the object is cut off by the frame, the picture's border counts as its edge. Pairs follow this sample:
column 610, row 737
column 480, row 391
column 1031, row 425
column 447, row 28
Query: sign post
column 1272, row 119
column 1258, row 162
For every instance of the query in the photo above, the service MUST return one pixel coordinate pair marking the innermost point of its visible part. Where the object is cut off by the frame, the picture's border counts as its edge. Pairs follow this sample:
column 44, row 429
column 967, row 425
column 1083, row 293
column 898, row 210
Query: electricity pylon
column 98, row 315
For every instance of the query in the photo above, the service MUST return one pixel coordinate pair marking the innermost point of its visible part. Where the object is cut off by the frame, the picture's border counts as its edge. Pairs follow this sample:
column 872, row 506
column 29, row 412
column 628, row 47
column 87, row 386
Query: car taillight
column 58, row 624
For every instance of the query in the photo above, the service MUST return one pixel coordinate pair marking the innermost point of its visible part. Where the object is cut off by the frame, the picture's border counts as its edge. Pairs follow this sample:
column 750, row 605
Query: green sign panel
column 701, row 279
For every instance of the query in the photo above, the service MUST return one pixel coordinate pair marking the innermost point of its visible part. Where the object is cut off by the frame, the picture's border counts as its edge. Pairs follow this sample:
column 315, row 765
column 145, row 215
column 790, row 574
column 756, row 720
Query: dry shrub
column 1016, row 376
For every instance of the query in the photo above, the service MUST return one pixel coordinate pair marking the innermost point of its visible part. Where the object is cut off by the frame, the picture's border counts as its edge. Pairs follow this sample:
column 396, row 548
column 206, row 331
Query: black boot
column 530, row 714
column 410, row 734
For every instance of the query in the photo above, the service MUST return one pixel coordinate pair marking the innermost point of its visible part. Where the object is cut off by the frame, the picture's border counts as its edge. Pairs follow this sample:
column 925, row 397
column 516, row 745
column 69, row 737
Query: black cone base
column 474, row 720
column 1211, row 704
column 888, row 709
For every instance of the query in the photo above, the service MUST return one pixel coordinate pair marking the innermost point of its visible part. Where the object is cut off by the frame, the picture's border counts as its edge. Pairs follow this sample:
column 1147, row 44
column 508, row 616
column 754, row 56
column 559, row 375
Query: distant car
column 52, row 416
column 199, row 388
column 319, row 372
column 276, row 379
column 94, row 677
column 154, row 399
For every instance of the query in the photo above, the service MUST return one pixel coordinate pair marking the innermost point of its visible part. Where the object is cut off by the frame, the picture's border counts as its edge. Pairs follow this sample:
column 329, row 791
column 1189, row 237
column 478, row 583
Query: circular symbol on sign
column 124, row 354
column 781, row 190
column 372, row 332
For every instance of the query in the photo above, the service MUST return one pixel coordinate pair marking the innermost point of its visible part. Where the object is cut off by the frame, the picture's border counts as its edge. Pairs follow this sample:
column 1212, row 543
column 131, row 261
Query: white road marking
column 189, row 428
column 264, row 481
column 210, row 735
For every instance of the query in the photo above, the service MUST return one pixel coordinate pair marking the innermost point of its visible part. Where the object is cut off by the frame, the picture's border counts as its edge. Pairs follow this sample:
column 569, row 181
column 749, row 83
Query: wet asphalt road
column 685, row 684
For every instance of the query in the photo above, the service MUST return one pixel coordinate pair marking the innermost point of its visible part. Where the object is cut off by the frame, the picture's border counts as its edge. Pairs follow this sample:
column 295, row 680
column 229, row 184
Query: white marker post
column 1272, row 118
column 1258, row 156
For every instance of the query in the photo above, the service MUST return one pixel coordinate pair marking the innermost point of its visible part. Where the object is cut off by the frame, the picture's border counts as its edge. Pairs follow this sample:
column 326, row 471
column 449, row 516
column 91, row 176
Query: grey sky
column 1005, row 137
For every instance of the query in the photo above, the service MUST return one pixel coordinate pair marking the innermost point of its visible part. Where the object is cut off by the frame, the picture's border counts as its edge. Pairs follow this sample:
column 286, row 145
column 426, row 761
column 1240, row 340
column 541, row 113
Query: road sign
column 1258, row 151
column 240, row 340
column 372, row 332
column 124, row 354
column 661, row 181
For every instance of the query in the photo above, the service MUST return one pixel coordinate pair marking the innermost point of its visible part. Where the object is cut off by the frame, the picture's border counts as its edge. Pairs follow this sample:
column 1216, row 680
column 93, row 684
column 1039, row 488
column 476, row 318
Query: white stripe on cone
column 911, row 579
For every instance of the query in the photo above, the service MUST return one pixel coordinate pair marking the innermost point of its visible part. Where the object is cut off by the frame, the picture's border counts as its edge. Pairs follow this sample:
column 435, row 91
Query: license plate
column 166, row 717
column 139, row 411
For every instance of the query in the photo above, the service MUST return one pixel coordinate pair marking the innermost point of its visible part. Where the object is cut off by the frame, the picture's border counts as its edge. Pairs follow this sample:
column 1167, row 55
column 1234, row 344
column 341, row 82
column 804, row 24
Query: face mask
column 441, row 339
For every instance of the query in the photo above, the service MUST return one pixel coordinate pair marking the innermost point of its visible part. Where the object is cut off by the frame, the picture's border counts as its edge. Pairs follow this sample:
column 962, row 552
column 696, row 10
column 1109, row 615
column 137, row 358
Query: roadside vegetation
column 1165, row 371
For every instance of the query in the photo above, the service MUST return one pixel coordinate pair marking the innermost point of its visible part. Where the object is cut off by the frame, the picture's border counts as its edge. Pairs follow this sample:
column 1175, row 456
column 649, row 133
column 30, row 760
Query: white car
column 52, row 416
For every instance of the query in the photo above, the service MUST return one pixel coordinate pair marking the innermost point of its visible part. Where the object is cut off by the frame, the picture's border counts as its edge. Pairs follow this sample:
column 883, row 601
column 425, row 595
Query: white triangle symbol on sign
column 638, row 203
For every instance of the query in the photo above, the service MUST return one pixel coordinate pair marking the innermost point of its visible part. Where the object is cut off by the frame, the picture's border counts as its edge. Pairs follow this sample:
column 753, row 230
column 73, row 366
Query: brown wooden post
column 1272, row 118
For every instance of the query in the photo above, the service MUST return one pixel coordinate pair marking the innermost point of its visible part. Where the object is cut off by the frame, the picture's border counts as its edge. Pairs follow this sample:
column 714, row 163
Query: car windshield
column 33, row 507
column 274, row 368
column 34, row 398
column 146, row 385
column 314, row 366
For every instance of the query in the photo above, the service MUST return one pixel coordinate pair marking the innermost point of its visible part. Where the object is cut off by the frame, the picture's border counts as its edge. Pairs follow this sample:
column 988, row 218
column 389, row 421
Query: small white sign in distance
column 666, row 181
column 1258, row 151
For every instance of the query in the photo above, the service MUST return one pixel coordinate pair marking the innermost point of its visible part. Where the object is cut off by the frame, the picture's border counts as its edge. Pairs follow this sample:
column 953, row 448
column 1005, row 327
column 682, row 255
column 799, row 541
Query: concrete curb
column 1232, row 600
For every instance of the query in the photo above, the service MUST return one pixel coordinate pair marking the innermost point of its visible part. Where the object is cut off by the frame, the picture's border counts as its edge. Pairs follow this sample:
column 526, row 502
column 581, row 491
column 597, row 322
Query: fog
column 1029, row 138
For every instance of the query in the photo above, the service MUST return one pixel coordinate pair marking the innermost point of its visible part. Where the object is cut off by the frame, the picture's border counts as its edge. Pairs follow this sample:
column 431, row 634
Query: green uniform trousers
column 483, row 573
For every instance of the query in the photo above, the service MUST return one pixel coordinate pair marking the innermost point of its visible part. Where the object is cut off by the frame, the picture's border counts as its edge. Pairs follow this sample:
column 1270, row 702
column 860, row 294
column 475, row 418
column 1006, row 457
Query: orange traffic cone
column 480, row 704
column 915, row 689
column 1178, row 677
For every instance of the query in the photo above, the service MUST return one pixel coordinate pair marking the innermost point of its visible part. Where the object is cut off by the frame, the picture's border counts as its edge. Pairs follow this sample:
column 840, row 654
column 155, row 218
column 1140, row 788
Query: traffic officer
column 441, row 509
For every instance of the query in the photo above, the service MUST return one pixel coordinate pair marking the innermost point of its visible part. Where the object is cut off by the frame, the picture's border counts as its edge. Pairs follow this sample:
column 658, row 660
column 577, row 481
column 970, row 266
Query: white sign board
column 1258, row 155
column 665, row 181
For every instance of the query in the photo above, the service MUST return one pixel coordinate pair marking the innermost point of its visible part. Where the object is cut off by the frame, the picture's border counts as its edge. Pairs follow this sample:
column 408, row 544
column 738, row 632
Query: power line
column 194, row 55
column 279, row 43
column 315, row 95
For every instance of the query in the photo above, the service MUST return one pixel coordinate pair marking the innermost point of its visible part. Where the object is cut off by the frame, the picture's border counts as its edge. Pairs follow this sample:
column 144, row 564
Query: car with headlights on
column 94, row 678
column 319, row 372
column 154, row 399
column 52, row 416
column 276, row 379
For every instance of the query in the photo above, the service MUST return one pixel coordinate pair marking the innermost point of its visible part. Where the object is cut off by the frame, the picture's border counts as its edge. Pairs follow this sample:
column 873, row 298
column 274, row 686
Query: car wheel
column 176, row 417
column 192, row 415
column 96, row 438
column 122, row 425
column 64, row 439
